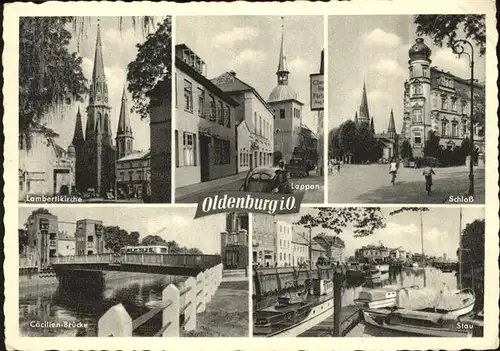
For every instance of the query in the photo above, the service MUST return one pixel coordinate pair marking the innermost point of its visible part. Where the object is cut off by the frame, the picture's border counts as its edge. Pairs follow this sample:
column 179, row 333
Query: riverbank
column 226, row 315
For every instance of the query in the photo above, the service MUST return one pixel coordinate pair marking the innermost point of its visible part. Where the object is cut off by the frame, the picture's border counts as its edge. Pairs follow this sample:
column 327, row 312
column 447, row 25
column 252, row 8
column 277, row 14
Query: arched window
column 444, row 127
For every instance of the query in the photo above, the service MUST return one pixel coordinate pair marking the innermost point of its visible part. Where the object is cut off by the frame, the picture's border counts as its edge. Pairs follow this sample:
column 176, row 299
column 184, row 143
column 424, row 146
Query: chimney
column 233, row 73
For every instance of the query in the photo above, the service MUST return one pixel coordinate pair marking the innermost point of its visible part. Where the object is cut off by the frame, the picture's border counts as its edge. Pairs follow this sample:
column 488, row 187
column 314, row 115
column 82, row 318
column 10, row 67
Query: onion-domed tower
column 287, row 108
column 417, row 117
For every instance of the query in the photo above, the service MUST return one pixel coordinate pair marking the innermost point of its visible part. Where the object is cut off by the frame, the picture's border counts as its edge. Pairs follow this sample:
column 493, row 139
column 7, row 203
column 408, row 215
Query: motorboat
column 354, row 270
column 294, row 313
column 379, row 297
column 383, row 268
column 374, row 275
column 423, row 312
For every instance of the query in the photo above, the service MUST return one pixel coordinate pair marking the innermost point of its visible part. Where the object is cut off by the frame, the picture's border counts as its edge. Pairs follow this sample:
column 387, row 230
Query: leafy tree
column 49, row 75
column 153, row 240
column 364, row 220
column 194, row 251
column 116, row 238
column 151, row 70
column 473, row 242
column 406, row 151
column 447, row 28
column 41, row 210
column 432, row 147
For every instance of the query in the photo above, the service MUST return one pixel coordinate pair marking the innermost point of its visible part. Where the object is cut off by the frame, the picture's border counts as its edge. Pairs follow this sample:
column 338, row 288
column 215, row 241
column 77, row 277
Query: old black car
column 267, row 180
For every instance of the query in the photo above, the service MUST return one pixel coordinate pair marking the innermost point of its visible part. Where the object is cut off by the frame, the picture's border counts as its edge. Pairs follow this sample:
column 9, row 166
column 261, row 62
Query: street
column 312, row 185
column 371, row 184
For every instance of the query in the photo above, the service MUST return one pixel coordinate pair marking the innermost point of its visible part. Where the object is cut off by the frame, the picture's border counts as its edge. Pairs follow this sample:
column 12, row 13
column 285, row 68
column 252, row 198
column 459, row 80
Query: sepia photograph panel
column 132, row 272
column 368, row 271
column 95, row 109
column 407, row 109
column 244, row 109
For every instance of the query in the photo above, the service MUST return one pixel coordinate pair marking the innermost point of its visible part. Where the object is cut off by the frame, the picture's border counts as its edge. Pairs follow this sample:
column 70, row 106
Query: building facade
column 234, row 241
column 372, row 253
column 333, row 246
column 284, row 247
column 45, row 168
column 287, row 111
column 300, row 249
column 65, row 244
column 205, row 134
column 89, row 237
column 317, row 251
column 263, row 240
column 133, row 175
column 42, row 229
column 257, row 114
column 439, row 102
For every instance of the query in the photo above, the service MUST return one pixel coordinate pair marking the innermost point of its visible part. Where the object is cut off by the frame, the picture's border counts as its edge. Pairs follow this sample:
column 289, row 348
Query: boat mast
column 422, row 238
column 460, row 252
column 310, row 250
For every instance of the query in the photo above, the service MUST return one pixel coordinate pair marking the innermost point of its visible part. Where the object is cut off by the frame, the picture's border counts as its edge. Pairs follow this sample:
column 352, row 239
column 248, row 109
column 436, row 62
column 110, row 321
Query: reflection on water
column 77, row 305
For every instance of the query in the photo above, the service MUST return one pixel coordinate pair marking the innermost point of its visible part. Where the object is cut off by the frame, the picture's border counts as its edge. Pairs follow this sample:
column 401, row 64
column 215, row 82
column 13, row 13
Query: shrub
column 427, row 161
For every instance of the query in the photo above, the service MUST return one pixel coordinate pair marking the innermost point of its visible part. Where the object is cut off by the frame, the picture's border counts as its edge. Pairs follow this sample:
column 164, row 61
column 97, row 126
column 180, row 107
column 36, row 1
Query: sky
column 376, row 50
column 250, row 46
column 119, row 49
column 170, row 223
column 441, row 229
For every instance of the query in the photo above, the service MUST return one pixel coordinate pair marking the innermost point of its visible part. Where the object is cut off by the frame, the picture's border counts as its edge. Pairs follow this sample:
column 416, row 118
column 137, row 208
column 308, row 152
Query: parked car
column 267, row 180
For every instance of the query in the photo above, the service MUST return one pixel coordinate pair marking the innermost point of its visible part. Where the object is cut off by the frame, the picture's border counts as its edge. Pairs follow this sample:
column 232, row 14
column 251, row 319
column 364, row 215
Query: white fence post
column 171, row 313
column 190, row 311
column 182, row 298
column 206, row 288
column 115, row 322
column 200, row 298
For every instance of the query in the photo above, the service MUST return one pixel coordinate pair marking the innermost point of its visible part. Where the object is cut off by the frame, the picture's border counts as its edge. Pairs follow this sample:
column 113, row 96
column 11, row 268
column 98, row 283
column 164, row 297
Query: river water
column 429, row 277
column 135, row 291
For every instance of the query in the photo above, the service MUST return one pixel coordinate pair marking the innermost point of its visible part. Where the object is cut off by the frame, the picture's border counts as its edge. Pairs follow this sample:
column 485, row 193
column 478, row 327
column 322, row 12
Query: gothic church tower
column 99, row 150
column 124, row 136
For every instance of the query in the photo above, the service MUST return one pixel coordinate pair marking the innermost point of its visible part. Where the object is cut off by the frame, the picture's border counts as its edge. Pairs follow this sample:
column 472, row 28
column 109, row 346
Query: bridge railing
column 188, row 300
column 203, row 261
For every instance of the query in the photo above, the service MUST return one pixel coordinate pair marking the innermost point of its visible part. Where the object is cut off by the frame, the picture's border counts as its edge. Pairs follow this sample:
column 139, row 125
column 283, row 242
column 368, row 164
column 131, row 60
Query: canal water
column 429, row 277
column 137, row 292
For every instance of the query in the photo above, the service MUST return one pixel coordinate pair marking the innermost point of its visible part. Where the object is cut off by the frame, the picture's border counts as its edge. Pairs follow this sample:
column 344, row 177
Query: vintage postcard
column 251, row 175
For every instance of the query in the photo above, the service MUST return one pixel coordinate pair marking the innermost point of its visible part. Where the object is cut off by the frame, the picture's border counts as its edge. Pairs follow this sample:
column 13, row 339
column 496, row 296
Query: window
column 444, row 128
column 260, row 125
column 228, row 117
column 201, row 102
column 176, row 148
column 464, row 128
column 213, row 108
column 130, row 175
column 444, row 103
column 255, row 122
column 220, row 113
column 454, row 129
column 454, row 105
column 424, row 72
column 464, row 107
column 417, row 115
column 222, row 150
column 189, row 149
column 188, row 96
column 411, row 72
column 417, row 138
column 417, row 89
column 282, row 113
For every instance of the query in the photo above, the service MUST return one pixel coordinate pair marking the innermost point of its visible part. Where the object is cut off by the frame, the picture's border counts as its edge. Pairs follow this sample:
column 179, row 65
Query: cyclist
column 393, row 170
column 427, row 173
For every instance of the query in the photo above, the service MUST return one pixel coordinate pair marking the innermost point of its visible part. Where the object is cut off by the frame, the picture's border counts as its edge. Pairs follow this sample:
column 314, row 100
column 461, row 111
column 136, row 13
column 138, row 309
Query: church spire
column 124, row 120
column 283, row 71
column 99, row 87
column 364, row 114
column 78, row 133
column 372, row 126
column 392, row 125
column 356, row 118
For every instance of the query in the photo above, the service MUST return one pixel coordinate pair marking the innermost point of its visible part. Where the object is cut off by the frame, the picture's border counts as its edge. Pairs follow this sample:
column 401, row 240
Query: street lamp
column 459, row 49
